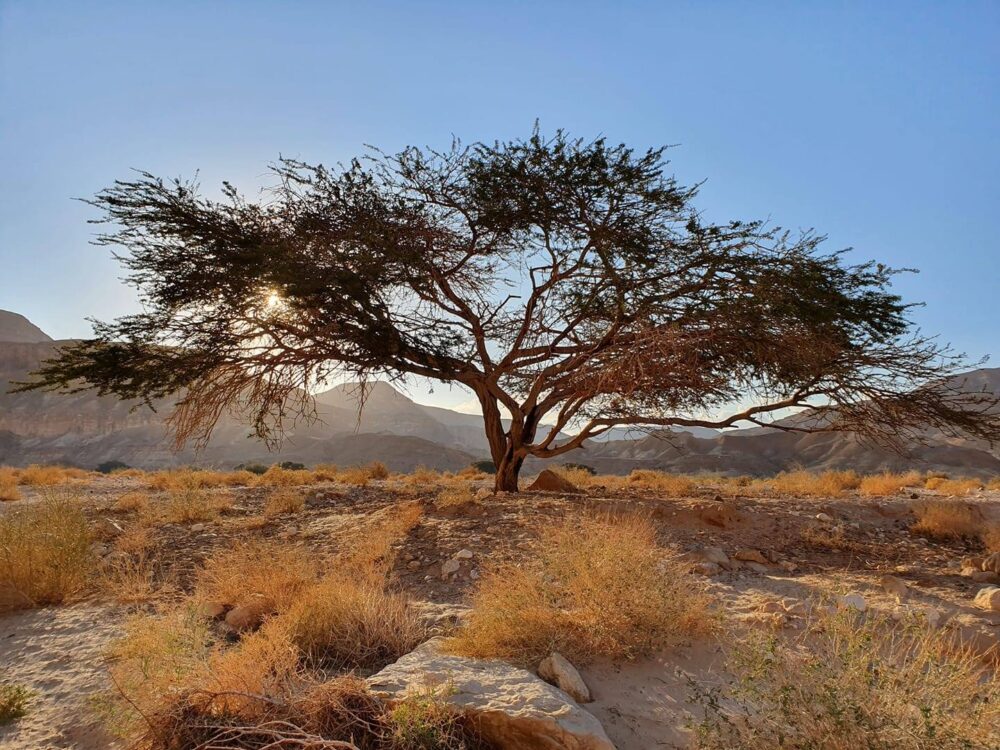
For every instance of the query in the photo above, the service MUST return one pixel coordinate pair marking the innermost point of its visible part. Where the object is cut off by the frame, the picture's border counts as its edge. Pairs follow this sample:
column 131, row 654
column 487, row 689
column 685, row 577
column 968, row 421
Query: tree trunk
column 507, row 473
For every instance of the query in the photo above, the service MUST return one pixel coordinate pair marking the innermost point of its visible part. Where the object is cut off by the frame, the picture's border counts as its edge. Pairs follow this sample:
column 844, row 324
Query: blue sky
column 876, row 123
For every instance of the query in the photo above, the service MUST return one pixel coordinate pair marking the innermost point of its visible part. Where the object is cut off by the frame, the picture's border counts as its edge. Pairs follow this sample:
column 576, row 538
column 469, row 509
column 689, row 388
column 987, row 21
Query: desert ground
column 163, row 587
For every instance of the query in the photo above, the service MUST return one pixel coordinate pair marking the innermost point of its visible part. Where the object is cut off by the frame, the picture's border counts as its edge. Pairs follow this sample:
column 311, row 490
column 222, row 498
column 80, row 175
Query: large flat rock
column 516, row 709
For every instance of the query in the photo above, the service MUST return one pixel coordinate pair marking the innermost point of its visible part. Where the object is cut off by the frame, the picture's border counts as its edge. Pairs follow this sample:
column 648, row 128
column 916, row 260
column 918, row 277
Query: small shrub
column 284, row 500
column 947, row 519
column 425, row 722
column 809, row 484
column 453, row 498
column 279, row 477
column 292, row 465
column 370, row 550
column 486, row 466
column 47, row 476
column 852, row 682
column 422, row 475
column 348, row 623
column 670, row 485
column 947, row 486
column 991, row 537
column 109, row 467
column 579, row 477
column 378, row 470
column 44, row 553
column 256, row 469
column 597, row 588
column 14, row 700
column 131, row 575
column 267, row 571
column 9, row 491
column 880, row 485
column 192, row 505
column 133, row 502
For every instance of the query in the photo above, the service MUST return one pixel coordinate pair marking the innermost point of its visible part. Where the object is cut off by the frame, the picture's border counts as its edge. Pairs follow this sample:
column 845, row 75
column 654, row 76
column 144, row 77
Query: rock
column 984, row 576
column 248, row 616
column 853, row 600
column 756, row 567
column 464, row 554
column 413, row 565
column 795, row 607
column 706, row 568
column 196, row 527
column 439, row 618
column 556, row 670
column 450, row 566
column 991, row 564
column 988, row 598
column 713, row 555
column 972, row 561
column 722, row 515
column 788, row 566
column 549, row 481
column 824, row 517
column 895, row 586
column 513, row 709
column 967, row 572
column 751, row 555
column 212, row 610
column 482, row 493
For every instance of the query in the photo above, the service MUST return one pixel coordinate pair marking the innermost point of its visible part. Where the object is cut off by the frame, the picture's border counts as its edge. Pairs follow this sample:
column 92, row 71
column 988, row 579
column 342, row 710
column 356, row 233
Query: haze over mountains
column 85, row 430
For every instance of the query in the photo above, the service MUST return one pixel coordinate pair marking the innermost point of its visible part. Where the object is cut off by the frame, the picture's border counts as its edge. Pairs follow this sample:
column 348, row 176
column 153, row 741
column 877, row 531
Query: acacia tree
column 569, row 284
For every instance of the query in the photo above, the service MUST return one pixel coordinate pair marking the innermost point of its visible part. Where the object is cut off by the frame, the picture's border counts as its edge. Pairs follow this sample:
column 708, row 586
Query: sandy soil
column 59, row 652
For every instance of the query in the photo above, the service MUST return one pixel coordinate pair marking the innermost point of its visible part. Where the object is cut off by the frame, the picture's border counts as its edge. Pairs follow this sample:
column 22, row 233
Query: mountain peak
column 17, row 328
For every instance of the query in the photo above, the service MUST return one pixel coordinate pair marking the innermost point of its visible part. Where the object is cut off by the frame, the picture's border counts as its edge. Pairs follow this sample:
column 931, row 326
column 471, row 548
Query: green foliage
column 14, row 700
column 108, row 467
column 486, row 466
column 582, row 467
column 553, row 276
column 253, row 468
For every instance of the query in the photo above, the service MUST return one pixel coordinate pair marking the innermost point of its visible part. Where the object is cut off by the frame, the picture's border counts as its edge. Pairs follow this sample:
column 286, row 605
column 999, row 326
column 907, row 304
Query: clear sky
column 875, row 123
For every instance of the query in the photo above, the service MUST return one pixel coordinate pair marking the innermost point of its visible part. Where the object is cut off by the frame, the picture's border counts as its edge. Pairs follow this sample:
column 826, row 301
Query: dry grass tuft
column 947, row 486
column 8, row 486
column 14, row 702
column 597, row 588
column 48, row 476
column 991, row 536
column 947, row 519
column 370, row 552
column 133, row 502
column 45, row 553
column 193, row 505
column 277, row 476
column 670, row 485
column 187, row 479
column 421, row 476
column 352, row 622
column 130, row 574
column 849, row 683
column 809, row 484
column 254, row 572
column 284, row 500
column 455, row 498
column 887, row 483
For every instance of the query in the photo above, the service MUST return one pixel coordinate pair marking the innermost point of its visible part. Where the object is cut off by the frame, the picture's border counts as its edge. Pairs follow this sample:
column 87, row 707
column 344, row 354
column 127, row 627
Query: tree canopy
column 570, row 284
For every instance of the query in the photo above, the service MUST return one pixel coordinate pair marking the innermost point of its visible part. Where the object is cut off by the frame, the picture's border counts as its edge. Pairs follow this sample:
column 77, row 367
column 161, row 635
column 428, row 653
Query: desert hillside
column 85, row 430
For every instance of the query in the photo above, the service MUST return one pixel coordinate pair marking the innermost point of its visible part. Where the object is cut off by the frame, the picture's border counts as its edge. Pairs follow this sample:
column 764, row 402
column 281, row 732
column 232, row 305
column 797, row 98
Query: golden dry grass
column 810, row 484
column 991, row 536
column 48, row 476
column 453, row 498
column 370, row 551
column 284, row 500
column 669, row 485
column 192, row 505
column 888, row 483
column 130, row 574
column 9, row 491
column 45, row 555
column 133, row 502
column 852, row 682
column 947, row 519
column 186, row 478
column 945, row 486
column 599, row 587
column 257, row 571
column 351, row 622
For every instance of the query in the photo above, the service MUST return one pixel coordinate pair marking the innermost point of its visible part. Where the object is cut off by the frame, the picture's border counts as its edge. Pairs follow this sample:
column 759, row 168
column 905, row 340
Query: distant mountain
column 85, row 430
column 15, row 327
